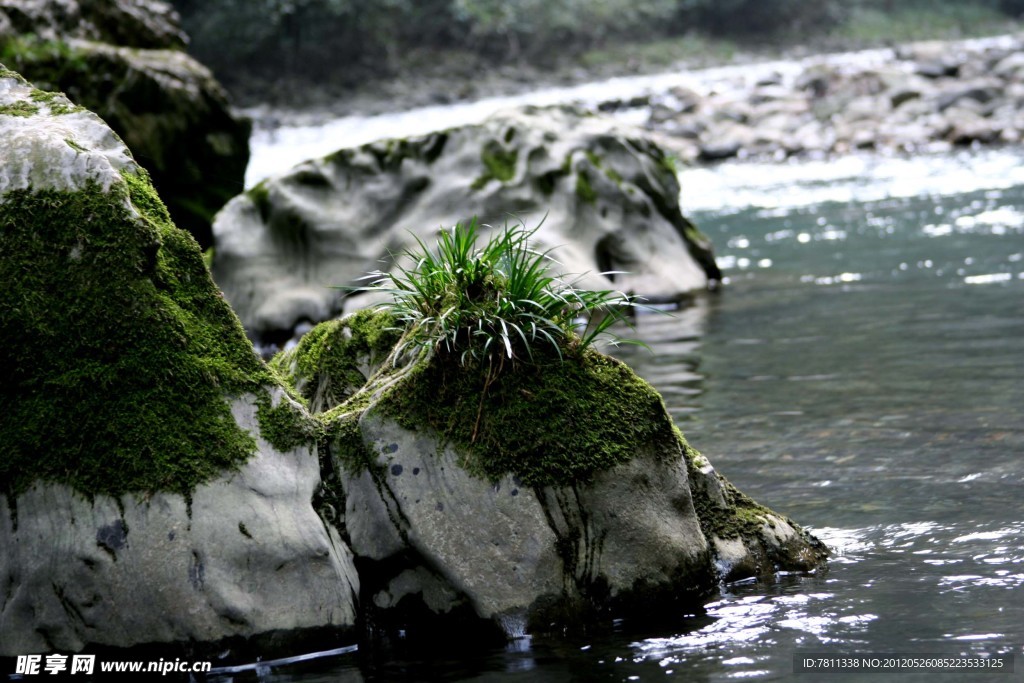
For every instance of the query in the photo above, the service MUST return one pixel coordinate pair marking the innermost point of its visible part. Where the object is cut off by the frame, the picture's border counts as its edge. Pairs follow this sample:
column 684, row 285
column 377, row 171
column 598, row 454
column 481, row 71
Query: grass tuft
column 496, row 303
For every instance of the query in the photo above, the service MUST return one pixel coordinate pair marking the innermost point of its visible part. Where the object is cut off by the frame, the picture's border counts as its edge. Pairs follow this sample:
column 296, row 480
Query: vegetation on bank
column 341, row 44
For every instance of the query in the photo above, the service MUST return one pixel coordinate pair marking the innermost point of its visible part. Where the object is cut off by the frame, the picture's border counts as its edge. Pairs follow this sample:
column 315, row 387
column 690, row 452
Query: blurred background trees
column 345, row 42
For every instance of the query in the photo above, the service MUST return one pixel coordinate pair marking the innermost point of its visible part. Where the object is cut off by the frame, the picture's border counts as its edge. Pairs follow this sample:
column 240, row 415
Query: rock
column 982, row 93
column 727, row 140
column 123, row 60
column 687, row 100
column 620, row 104
column 155, row 479
column 933, row 59
column 558, row 494
column 147, row 24
column 1010, row 67
column 604, row 197
column 900, row 97
column 967, row 126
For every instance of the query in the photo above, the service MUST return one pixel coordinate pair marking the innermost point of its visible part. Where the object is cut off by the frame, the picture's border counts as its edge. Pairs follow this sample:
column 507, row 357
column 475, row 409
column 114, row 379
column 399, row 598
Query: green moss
column 260, row 196
column 57, row 102
column 742, row 518
column 345, row 441
column 7, row 73
column 74, row 145
column 553, row 423
column 336, row 358
column 47, row 63
column 499, row 164
column 116, row 349
column 287, row 425
column 19, row 108
column 584, row 189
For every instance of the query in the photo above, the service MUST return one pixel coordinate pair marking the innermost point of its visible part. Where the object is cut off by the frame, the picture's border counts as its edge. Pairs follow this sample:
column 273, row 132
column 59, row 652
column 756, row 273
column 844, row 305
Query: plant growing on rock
column 496, row 303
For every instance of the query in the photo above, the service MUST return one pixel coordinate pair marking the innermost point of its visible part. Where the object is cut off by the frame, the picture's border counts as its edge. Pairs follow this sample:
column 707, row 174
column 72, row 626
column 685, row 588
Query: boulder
column 123, row 60
column 155, row 478
column 558, row 493
column 604, row 196
column 148, row 24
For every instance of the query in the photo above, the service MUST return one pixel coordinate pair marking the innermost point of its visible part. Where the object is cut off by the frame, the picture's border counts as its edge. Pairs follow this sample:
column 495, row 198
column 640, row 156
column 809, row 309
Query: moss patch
column 336, row 358
column 499, row 164
column 742, row 518
column 58, row 103
column 584, row 189
column 286, row 426
column 19, row 108
column 116, row 348
column 50, row 64
column 552, row 423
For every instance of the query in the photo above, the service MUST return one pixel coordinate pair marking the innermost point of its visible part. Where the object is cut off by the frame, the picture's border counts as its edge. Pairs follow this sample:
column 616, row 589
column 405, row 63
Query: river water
column 861, row 371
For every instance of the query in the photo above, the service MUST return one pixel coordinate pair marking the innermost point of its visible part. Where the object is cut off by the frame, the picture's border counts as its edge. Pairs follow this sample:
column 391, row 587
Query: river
column 861, row 371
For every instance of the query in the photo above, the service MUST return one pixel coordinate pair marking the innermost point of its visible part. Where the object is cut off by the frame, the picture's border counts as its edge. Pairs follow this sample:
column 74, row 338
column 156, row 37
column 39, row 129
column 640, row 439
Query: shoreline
column 436, row 78
column 918, row 97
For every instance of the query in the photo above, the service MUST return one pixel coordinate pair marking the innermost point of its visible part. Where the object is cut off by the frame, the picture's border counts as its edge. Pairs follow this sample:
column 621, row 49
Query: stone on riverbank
column 558, row 493
column 156, row 479
column 125, row 61
column 922, row 96
column 608, row 199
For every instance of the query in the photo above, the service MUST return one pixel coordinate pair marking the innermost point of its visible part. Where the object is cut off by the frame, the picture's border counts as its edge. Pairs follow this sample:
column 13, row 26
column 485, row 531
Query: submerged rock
column 155, row 479
column 124, row 61
column 606, row 199
column 552, row 495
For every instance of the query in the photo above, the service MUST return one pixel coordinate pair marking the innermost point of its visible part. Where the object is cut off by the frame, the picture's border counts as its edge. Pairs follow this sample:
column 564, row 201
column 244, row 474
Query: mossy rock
column 450, row 461
column 168, row 109
column 119, row 355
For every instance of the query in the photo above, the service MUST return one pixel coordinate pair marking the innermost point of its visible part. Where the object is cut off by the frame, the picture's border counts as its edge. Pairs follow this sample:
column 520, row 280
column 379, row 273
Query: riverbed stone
column 155, row 478
column 566, row 533
column 838, row 105
column 125, row 60
column 601, row 195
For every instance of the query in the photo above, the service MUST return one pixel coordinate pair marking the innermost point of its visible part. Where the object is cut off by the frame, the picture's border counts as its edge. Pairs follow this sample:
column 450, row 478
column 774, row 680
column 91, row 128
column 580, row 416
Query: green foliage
column 872, row 21
column 532, row 25
column 343, row 42
column 494, row 303
column 762, row 17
